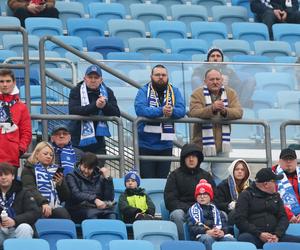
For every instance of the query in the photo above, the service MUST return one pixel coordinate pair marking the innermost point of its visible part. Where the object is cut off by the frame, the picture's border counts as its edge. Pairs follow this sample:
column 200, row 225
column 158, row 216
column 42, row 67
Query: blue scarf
column 45, row 183
column 6, row 122
column 286, row 191
column 6, row 204
column 67, row 157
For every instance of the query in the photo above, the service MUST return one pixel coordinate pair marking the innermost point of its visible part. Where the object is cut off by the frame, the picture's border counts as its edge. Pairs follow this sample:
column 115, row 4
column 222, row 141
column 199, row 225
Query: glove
column 231, row 205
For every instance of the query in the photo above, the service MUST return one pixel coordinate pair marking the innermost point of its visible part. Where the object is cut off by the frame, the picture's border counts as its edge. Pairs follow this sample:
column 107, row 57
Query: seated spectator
column 229, row 189
column 92, row 191
column 66, row 156
column 19, row 204
column 275, row 11
column 206, row 223
column 181, row 184
column 134, row 203
column 32, row 8
column 46, row 181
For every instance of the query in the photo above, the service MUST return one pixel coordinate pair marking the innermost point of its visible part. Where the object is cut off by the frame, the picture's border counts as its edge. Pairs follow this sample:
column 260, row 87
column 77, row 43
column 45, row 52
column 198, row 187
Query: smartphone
column 60, row 170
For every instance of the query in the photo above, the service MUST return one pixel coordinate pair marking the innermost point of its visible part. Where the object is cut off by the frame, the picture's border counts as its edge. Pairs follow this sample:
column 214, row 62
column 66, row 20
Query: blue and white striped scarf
column 45, row 183
column 209, row 147
column 6, row 204
column 88, row 135
column 267, row 3
column 286, row 191
column 167, row 130
column 67, row 157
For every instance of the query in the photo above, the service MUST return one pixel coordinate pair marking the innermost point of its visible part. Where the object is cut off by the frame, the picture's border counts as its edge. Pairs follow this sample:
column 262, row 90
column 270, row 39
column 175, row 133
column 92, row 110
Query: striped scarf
column 209, row 146
column 267, row 3
column 6, row 204
column 67, row 157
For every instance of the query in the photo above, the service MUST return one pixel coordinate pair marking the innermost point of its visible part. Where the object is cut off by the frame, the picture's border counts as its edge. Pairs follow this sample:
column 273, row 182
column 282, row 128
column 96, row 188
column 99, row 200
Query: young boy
column 206, row 223
column 134, row 203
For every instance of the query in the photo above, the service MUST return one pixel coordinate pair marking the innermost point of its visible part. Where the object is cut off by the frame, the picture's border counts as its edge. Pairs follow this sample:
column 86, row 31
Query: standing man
column 19, row 204
column 15, row 122
column 158, row 98
column 214, row 101
column 260, row 215
column 32, row 8
column 92, row 97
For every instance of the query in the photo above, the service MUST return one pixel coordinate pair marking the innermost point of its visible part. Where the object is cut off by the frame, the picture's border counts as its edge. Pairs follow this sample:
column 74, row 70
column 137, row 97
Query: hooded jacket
column 181, row 183
column 223, row 196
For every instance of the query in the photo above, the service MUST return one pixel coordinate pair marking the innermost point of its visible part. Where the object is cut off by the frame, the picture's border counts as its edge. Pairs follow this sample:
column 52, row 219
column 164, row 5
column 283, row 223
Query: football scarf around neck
column 209, row 147
column 167, row 130
column 45, row 183
column 6, row 122
column 88, row 135
column 7, row 203
column 286, row 191
column 67, row 157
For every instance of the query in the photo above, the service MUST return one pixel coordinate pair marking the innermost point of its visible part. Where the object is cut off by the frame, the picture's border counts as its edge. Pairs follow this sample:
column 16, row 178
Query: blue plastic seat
column 81, row 244
column 76, row 59
column 297, row 48
column 224, row 245
column 287, row 32
column 41, row 26
column 263, row 99
column 49, row 55
column 167, row 30
column 86, row 3
column 34, row 77
column 127, row 3
column 209, row 4
column 251, row 58
column 179, row 245
column 165, row 214
column 53, row 230
column 281, row 246
column 208, row 31
column 6, row 53
column 231, row 48
column 244, row 3
column 85, row 27
column 126, row 29
column 15, row 42
column 25, row 244
column 35, row 93
column 272, row 48
column 176, row 57
column 199, row 57
column 147, row 46
column 104, row 45
column 6, row 21
column 125, row 97
column 189, row 46
column 130, row 245
column 169, row 3
column 293, row 229
column 289, row 99
column 285, row 59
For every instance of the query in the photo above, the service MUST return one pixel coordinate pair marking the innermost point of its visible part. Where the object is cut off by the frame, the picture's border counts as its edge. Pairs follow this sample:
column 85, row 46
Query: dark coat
column 258, row 211
column 259, row 8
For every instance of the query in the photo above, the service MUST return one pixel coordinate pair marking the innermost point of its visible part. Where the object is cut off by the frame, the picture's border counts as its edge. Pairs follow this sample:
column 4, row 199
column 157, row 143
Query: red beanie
column 204, row 187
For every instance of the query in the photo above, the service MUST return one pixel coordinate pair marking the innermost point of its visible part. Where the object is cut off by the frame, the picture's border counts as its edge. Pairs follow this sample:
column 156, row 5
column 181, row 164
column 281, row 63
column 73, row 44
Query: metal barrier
column 267, row 140
column 283, row 131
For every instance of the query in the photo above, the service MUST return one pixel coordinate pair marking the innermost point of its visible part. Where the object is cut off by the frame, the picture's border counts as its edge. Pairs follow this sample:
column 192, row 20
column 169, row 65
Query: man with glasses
column 15, row 122
column 260, row 214
column 92, row 97
column 158, row 98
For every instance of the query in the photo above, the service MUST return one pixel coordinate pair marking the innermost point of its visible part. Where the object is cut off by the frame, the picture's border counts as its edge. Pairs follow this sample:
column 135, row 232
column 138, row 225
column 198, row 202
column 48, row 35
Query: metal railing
column 283, row 131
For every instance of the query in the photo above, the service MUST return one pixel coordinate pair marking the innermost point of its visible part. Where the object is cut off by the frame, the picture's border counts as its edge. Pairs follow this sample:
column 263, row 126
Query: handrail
column 283, row 126
column 267, row 139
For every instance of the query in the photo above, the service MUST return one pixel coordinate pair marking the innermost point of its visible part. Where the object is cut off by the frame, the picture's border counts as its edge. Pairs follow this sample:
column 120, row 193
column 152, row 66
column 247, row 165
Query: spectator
column 260, row 215
column 66, row 155
column 206, row 223
column 214, row 101
column 134, row 203
column 275, row 11
column 92, row 97
column 288, row 187
column 19, row 205
column 46, row 181
column 181, row 184
column 229, row 189
column 32, row 8
column 15, row 123
column 158, row 98
column 92, row 191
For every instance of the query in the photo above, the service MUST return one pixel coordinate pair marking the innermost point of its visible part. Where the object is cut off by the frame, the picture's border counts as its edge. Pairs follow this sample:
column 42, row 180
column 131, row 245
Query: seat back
column 69, row 10
column 179, row 245
column 231, row 48
column 189, row 46
column 224, row 245
column 41, row 26
column 130, row 245
column 106, row 11
column 80, row 244
column 272, row 48
column 147, row 46
column 281, row 246
column 287, row 32
column 26, row 244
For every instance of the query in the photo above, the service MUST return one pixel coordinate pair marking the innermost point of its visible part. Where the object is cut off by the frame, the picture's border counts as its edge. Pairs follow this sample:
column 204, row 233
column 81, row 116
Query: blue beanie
column 134, row 176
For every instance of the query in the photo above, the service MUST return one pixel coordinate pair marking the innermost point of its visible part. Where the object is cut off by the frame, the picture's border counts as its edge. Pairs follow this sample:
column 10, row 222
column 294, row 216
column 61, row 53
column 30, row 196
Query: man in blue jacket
column 158, row 98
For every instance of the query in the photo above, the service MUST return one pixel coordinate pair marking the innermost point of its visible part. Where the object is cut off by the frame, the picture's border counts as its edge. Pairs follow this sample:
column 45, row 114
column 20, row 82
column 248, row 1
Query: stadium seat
column 86, row 3
column 155, row 231
column 287, row 32
column 281, row 246
column 73, row 41
column 167, row 30
column 49, row 55
column 104, row 45
column 64, row 73
column 251, row 58
column 126, row 97
column 250, row 32
column 189, row 13
column 229, row 15
column 293, row 229
column 130, row 245
column 208, row 31
column 6, row 21
column 6, row 54
column 189, row 46
column 127, row 3
column 199, row 57
column 272, row 48
column 147, row 46
column 35, row 93
column 289, row 100
column 231, row 48
column 179, row 245
column 79, row 244
column 15, row 42
column 169, row 3
column 224, row 245
column 140, row 75
column 76, row 59
column 176, row 57
column 186, row 231
column 104, row 231
column 263, row 99
column 85, row 27
column 53, row 230
column 244, row 3
column 285, row 59
column 25, row 244
column 297, row 48
column 209, row 4
column 119, row 186
column 126, row 29
column 41, row 26
column 34, row 77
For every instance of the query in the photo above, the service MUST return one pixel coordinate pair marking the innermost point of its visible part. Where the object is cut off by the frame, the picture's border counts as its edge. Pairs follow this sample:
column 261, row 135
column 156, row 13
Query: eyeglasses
column 160, row 75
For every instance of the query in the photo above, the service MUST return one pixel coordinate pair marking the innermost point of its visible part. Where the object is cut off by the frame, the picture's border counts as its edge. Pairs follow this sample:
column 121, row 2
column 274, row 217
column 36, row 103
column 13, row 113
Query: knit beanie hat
column 213, row 49
column 204, row 187
column 134, row 176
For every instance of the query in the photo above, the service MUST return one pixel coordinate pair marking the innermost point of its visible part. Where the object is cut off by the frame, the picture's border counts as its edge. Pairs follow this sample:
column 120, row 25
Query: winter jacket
column 258, row 211
column 153, row 140
column 110, row 109
column 16, row 4
column 199, row 109
column 181, row 183
column 14, row 144
column 129, row 212
column 259, row 8
column 24, row 205
column 85, row 190
column 29, row 183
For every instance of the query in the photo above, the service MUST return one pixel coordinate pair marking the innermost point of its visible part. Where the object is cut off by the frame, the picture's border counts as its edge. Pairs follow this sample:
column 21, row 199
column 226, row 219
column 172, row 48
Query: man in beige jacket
column 213, row 100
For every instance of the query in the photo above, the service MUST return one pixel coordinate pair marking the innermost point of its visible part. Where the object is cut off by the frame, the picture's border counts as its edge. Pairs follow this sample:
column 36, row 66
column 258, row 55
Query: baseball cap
column 93, row 69
column 288, row 153
column 266, row 174
column 59, row 127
